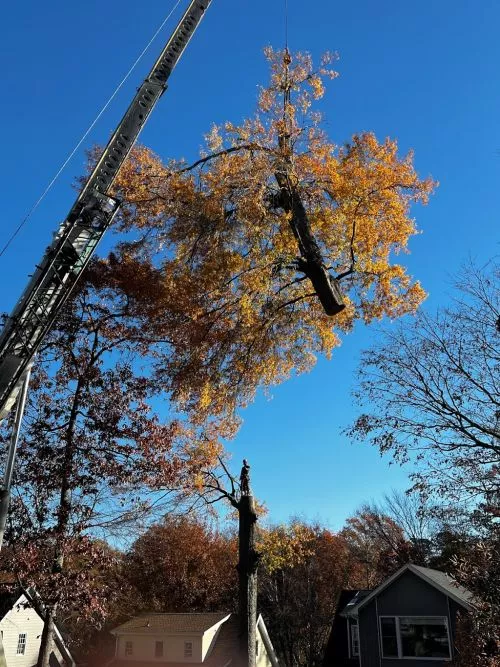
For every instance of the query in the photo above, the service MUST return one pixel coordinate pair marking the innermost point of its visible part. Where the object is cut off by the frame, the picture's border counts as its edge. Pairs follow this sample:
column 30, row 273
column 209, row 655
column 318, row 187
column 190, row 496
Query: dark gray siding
column 409, row 595
column 368, row 636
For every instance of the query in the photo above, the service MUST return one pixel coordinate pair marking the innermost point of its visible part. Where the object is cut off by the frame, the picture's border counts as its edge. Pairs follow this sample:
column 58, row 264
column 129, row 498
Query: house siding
column 409, row 595
column 263, row 659
column 368, row 636
column 208, row 639
column 144, row 648
column 22, row 619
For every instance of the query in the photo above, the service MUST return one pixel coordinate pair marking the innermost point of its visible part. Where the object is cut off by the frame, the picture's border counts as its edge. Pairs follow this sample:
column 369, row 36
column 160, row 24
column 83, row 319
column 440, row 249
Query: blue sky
column 425, row 73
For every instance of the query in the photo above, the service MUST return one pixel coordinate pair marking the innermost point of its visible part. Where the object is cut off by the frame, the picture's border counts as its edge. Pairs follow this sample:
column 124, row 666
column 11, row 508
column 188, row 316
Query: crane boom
column 90, row 216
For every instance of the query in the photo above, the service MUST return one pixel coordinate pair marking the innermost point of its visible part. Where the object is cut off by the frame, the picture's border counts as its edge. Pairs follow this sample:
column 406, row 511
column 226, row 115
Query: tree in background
column 181, row 564
column 478, row 634
column 236, row 265
column 406, row 524
column 434, row 394
column 93, row 456
column 304, row 568
column 377, row 543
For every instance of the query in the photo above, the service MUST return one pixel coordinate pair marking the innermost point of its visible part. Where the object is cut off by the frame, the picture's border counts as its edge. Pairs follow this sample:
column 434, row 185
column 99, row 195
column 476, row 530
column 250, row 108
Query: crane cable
column 286, row 26
column 87, row 132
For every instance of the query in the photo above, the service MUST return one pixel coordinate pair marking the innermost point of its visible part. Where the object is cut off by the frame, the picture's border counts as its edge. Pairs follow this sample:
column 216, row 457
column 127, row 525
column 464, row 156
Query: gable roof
column 439, row 580
column 151, row 624
column 224, row 647
column 15, row 594
column 354, row 600
column 8, row 599
column 446, row 584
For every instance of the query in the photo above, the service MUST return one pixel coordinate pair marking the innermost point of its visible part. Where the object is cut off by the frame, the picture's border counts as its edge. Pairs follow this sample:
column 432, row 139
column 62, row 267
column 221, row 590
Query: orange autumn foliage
column 216, row 267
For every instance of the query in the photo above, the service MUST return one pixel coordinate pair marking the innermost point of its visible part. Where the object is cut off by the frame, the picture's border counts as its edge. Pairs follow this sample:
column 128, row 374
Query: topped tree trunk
column 247, row 571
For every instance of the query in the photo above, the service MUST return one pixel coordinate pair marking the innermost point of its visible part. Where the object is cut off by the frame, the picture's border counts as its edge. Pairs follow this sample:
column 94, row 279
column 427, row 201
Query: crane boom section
column 90, row 216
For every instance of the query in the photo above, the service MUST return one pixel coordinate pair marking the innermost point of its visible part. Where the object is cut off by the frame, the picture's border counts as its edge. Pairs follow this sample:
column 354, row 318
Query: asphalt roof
column 439, row 580
column 170, row 623
column 446, row 582
column 355, row 598
column 222, row 652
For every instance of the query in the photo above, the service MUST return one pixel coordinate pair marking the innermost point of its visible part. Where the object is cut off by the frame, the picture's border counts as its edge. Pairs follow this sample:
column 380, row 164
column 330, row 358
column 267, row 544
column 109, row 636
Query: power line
column 87, row 132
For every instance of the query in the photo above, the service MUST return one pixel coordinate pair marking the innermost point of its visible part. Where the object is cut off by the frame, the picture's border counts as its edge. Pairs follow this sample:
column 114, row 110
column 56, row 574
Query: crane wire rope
column 87, row 132
column 286, row 26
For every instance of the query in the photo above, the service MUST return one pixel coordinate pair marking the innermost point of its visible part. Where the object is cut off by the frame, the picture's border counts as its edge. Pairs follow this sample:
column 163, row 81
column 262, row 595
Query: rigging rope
column 87, row 132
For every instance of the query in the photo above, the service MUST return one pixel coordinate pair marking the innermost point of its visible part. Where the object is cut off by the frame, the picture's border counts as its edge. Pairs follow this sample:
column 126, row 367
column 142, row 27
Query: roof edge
column 267, row 641
column 409, row 567
column 119, row 631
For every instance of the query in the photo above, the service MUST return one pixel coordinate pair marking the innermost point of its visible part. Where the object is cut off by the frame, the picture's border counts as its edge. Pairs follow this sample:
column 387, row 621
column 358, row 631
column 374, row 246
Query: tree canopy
column 433, row 395
column 239, row 259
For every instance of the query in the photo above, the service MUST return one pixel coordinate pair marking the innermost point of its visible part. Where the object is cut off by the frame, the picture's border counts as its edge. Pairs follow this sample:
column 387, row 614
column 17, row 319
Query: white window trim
column 354, row 627
column 398, row 637
column 22, row 644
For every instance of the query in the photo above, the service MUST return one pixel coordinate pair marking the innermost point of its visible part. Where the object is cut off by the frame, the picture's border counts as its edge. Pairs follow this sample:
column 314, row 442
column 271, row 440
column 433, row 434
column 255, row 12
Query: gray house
column 408, row 620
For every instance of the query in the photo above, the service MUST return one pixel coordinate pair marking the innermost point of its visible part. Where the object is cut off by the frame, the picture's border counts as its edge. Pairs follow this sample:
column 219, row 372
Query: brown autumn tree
column 478, row 633
column 304, row 568
column 180, row 565
column 93, row 456
column 377, row 543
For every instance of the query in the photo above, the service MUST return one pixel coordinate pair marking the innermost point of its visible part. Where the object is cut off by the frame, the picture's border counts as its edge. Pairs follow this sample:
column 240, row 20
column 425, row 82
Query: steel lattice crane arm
column 75, row 241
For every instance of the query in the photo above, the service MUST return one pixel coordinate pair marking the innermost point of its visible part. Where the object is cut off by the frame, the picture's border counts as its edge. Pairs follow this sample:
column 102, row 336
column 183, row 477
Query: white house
column 199, row 640
column 21, row 626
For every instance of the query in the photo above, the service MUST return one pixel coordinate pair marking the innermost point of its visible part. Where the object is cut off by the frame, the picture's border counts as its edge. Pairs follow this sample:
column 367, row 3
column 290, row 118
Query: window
column 158, row 649
column 389, row 635
column 188, row 649
column 129, row 648
column 21, row 644
column 414, row 637
column 354, row 640
column 256, row 648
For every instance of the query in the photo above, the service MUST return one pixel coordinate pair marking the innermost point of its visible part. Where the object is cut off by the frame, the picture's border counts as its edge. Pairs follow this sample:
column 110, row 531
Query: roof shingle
column 170, row 623
column 446, row 582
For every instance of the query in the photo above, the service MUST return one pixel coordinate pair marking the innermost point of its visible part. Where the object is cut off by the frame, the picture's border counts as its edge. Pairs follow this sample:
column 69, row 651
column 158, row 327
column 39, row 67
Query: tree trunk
column 311, row 262
column 65, row 506
column 47, row 637
column 247, row 571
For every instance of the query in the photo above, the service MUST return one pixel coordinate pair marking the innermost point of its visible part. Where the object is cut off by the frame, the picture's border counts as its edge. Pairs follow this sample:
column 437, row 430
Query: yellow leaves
column 285, row 546
column 232, row 302
column 213, row 139
column 317, row 86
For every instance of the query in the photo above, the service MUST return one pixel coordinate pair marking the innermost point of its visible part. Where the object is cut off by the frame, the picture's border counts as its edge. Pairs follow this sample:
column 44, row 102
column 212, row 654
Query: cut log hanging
column 310, row 261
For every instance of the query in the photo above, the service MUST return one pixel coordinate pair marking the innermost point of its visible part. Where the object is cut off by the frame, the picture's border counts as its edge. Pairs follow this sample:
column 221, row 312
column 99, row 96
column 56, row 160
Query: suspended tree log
column 311, row 261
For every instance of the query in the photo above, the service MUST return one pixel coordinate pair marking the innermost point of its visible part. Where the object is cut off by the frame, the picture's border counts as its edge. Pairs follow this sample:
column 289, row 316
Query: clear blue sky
column 426, row 73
